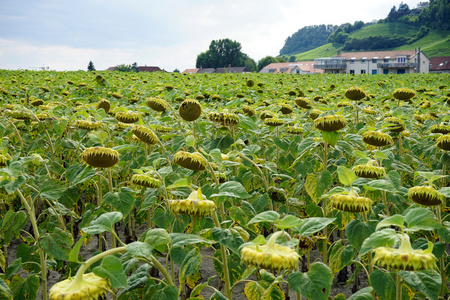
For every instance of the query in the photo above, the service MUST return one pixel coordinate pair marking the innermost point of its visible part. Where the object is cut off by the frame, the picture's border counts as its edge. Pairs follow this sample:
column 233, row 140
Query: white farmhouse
column 375, row 62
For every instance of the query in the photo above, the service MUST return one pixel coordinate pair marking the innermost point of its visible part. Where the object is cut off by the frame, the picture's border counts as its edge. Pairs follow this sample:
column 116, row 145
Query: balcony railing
column 331, row 66
column 396, row 65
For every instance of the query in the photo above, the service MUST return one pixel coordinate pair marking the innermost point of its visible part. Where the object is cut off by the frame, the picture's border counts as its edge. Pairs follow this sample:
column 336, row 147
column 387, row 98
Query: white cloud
column 169, row 34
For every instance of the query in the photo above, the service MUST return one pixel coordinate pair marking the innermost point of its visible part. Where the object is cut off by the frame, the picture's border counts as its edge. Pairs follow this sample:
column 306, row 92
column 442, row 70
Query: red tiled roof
column 149, row 69
column 190, row 71
column 440, row 63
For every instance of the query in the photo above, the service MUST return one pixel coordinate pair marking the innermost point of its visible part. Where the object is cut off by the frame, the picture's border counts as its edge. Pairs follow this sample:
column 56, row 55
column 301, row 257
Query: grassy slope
column 435, row 43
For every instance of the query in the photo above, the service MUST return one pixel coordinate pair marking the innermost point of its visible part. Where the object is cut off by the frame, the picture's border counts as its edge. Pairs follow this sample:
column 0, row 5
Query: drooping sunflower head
column 224, row 118
column 127, row 117
column 157, row 104
column 3, row 160
column 277, row 194
column 351, row 203
column 146, row 180
column 294, row 129
column 405, row 257
column 377, row 138
column 397, row 124
column 270, row 256
column 104, row 103
column 267, row 114
column 273, row 122
column 314, row 114
column 425, row 195
column 443, row 142
column 369, row 170
column 369, row 111
column 190, row 110
column 192, row 161
column 440, row 128
column 355, row 93
column 303, row 102
column 285, row 108
column 145, row 134
column 20, row 114
column 330, row 123
column 100, row 157
column 88, row 125
column 248, row 110
column 89, row 287
column 403, row 94
column 306, row 243
column 37, row 102
column 195, row 204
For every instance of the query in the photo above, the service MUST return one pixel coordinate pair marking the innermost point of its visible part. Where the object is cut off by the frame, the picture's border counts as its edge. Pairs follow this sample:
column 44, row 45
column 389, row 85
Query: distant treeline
column 436, row 16
column 307, row 38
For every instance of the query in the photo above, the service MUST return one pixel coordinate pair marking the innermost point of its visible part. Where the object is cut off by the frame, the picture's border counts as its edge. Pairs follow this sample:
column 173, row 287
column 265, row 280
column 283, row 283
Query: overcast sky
column 66, row 35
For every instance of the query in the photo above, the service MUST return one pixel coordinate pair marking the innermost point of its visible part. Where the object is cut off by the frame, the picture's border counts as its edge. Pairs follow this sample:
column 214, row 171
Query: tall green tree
column 221, row 54
column 91, row 66
column 266, row 61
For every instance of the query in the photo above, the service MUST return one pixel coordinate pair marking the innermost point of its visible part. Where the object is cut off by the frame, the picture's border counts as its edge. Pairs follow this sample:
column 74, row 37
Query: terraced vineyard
column 139, row 185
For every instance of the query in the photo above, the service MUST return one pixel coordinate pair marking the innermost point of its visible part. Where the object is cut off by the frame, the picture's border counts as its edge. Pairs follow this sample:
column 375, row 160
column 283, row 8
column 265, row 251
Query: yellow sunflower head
column 351, row 202
column 369, row 170
column 425, row 195
column 145, row 134
column 443, row 142
column 190, row 110
column 398, row 125
column 157, row 104
column 377, row 138
column 273, row 122
column 146, row 180
column 403, row 94
column 88, row 125
column 355, row 93
column 405, row 257
column 100, row 157
column 195, row 204
column 88, row 287
column 303, row 102
column 270, row 256
column 192, row 161
column 330, row 123
column 127, row 117
column 248, row 110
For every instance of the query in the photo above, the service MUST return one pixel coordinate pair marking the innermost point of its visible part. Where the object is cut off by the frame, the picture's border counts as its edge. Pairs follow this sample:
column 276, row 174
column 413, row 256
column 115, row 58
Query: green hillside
column 435, row 43
column 386, row 29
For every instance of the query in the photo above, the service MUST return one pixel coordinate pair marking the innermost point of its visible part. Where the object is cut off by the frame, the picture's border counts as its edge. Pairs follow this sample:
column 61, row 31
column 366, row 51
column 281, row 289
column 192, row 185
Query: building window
column 374, row 60
column 363, row 61
column 352, row 71
column 363, row 71
column 401, row 59
column 386, row 60
column 374, row 72
column 386, row 71
column 401, row 71
column 352, row 61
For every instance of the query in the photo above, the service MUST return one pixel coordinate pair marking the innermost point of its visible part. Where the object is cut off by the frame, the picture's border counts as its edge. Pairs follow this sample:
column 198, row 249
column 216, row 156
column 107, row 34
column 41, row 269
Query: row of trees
column 307, row 38
column 435, row 16
column 224, row 53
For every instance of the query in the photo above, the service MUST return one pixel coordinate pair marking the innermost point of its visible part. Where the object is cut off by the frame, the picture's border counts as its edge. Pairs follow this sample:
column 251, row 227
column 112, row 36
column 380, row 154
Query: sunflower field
column 224, row 186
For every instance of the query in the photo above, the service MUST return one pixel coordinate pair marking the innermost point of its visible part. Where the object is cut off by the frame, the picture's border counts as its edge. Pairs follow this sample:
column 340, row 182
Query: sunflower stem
column 325, row 204
column 398, row 294
column 369, row 254
column 43, row 263
column 99, row 203
column 223, row 249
